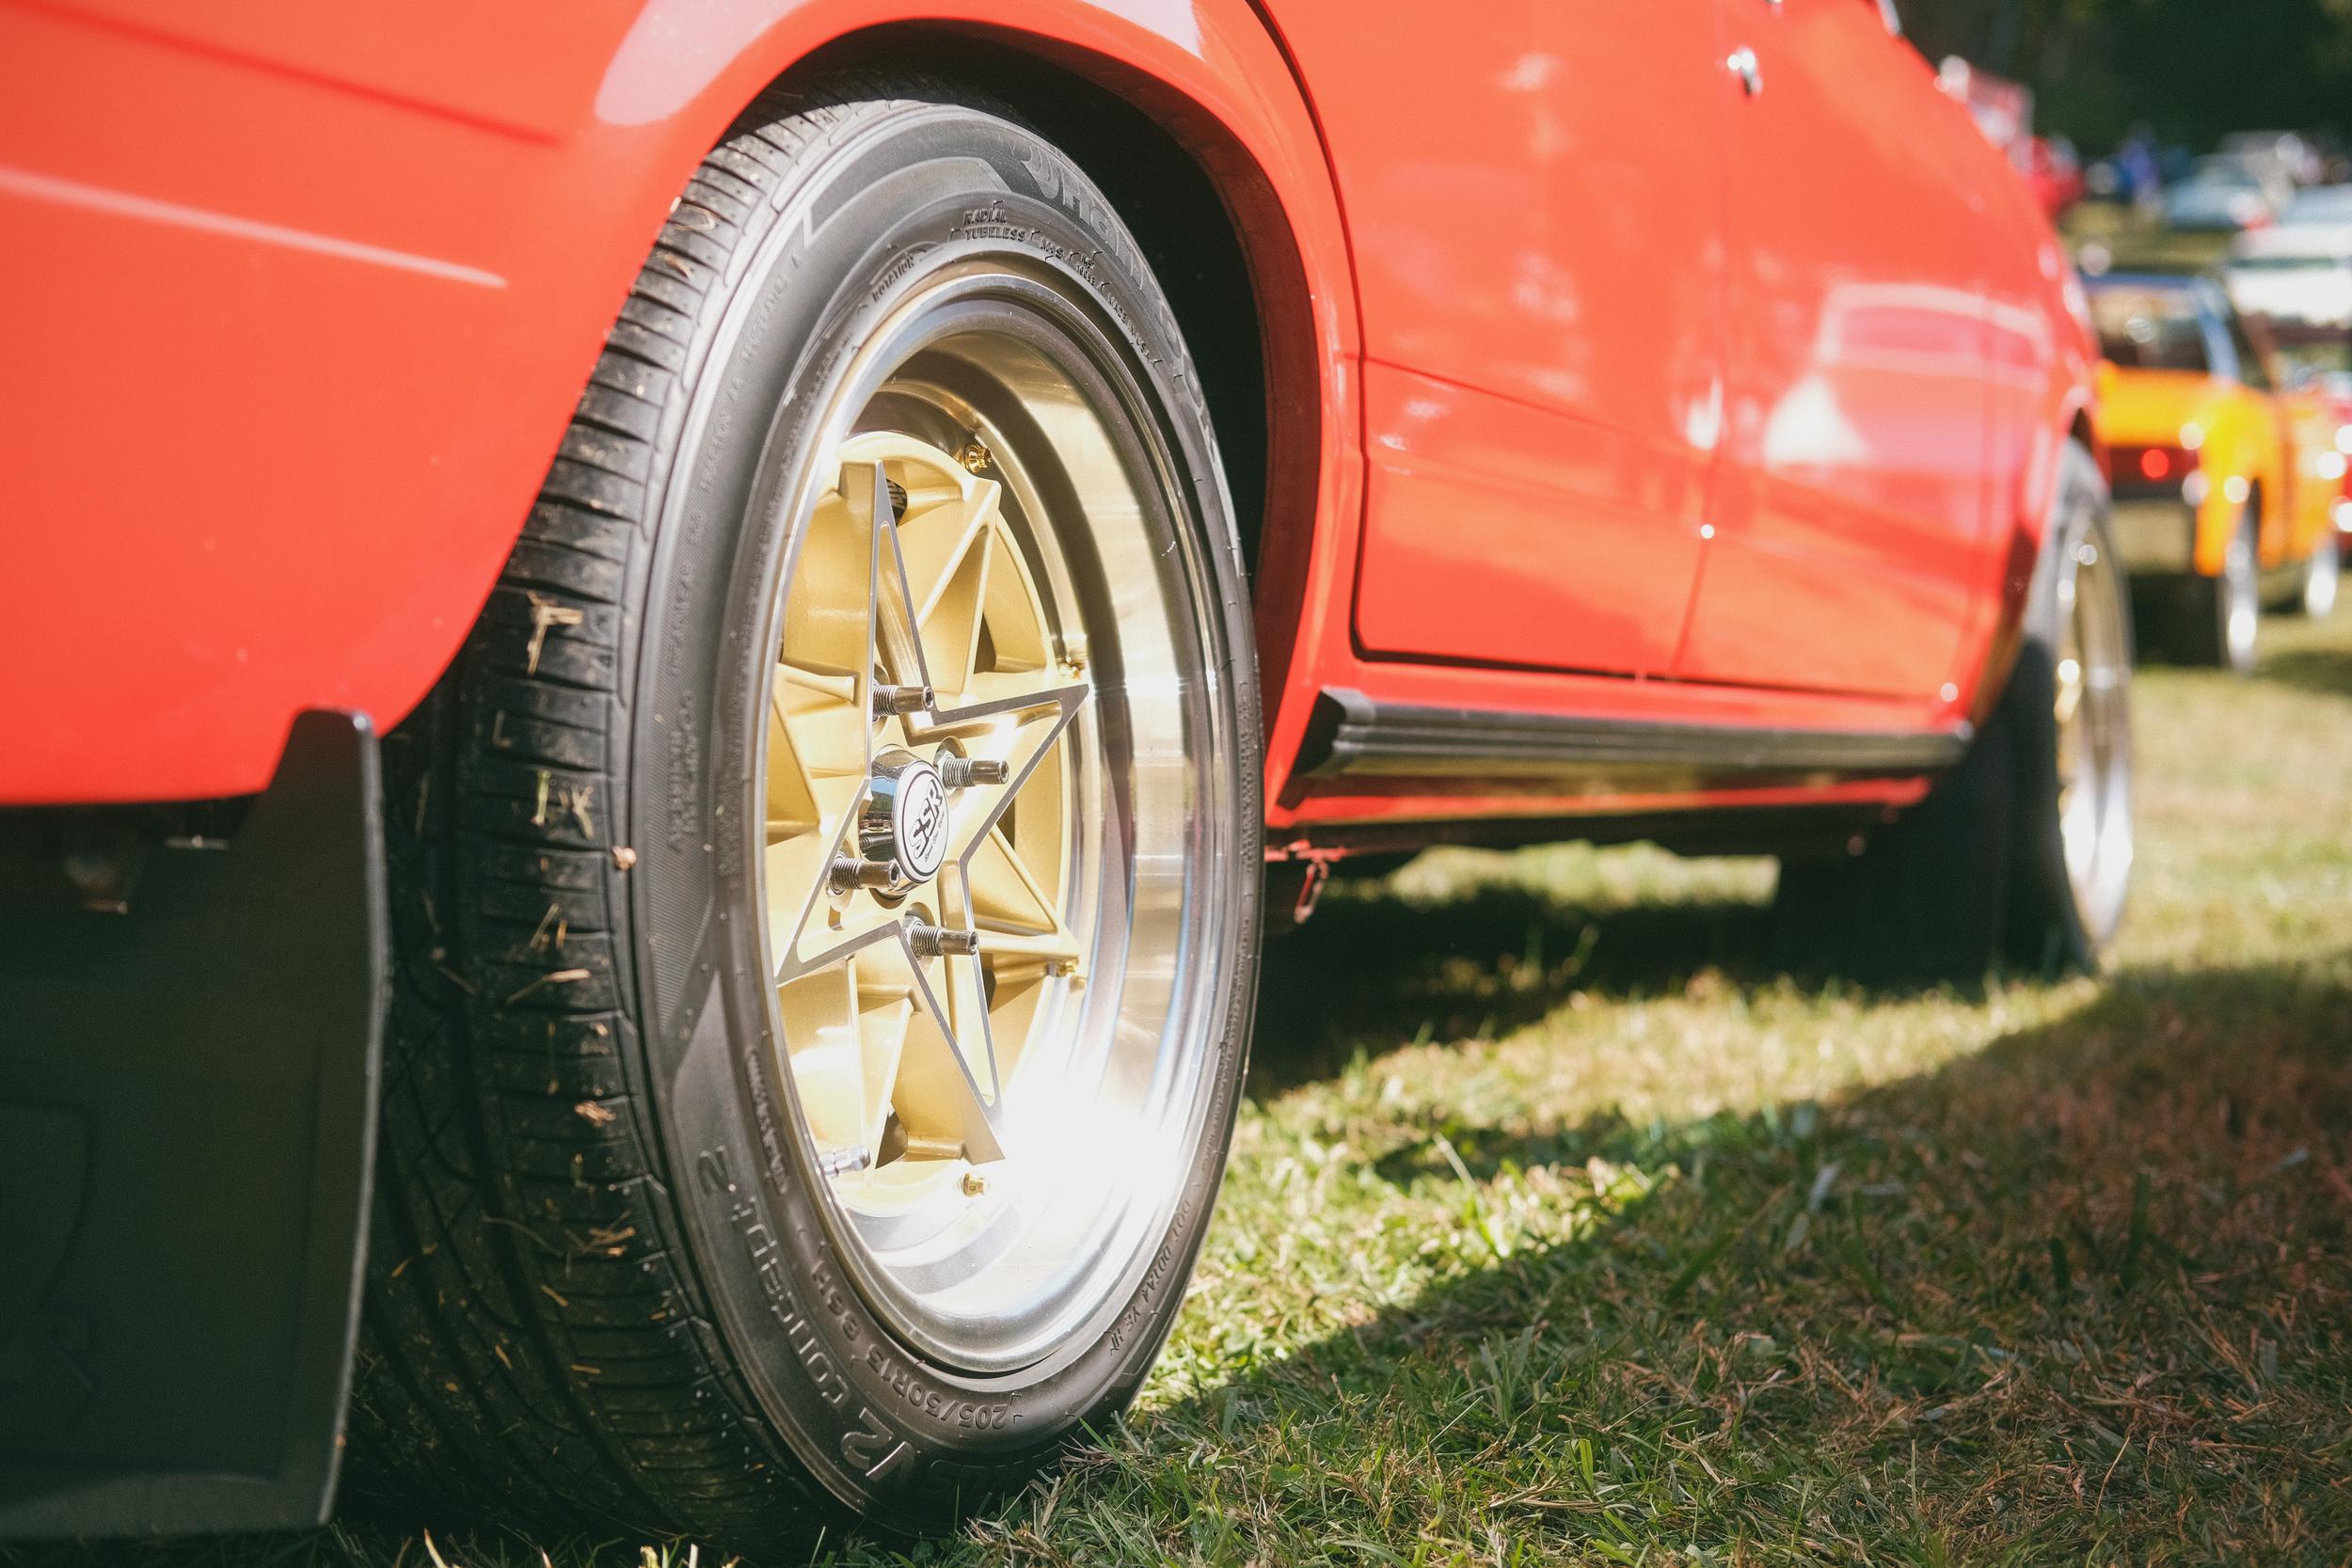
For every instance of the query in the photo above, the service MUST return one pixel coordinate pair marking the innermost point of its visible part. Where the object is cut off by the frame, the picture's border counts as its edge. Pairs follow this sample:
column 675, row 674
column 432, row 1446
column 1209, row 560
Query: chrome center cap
column 919, row 821
column 904, row 822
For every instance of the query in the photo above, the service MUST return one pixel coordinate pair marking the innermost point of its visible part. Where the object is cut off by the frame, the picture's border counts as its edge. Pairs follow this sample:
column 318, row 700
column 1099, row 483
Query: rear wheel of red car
column 2023, row 855
column 828, row 879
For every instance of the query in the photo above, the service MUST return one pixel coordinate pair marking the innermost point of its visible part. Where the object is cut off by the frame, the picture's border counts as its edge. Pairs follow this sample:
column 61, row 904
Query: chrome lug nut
column 963, row 772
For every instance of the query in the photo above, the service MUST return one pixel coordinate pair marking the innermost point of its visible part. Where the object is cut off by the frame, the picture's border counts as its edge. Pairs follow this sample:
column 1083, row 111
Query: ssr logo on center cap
column 919, row 822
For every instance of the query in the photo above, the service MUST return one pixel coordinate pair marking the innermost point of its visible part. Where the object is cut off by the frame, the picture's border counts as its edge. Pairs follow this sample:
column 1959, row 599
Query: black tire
column 1976, row 876
column 2211, row 605
column 602, row 1290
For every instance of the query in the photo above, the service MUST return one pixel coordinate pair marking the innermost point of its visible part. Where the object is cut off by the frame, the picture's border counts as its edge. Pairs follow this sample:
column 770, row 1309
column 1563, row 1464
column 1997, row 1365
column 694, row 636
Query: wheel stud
column 963, row 772
column 849, row 873
column 940, row 942
column 898, row 700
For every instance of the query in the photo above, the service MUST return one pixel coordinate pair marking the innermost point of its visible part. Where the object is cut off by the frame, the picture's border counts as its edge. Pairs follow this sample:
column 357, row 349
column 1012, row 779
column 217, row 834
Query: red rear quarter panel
column 2045, row 358
column 299, row 297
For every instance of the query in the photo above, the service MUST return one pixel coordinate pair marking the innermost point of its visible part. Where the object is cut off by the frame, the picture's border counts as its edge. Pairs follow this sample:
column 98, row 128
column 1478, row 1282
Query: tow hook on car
column 1294, row 883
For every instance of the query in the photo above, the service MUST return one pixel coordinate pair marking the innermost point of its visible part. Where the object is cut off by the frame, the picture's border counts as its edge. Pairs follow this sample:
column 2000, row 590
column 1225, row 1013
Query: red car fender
column 337, row 279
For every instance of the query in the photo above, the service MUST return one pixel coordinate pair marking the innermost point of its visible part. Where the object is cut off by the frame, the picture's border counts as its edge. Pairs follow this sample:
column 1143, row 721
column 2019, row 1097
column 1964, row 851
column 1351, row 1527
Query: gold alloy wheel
column 920, row 815
column 993, row 807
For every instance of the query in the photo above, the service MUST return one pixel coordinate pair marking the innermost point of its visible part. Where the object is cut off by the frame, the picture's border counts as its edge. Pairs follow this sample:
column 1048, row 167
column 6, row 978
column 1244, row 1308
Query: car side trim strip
column 1354, row 737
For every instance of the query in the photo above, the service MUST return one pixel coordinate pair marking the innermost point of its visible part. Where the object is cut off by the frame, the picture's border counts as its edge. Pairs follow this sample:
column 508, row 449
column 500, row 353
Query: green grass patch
column 1564, row 1227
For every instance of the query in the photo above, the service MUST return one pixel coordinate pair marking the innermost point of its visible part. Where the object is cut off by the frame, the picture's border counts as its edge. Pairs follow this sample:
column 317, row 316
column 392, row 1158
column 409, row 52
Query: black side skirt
column 1377, row 745
column 187, row 1122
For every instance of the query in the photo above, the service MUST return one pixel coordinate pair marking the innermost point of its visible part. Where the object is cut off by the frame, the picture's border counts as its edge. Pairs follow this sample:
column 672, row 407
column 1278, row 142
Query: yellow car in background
column 2225, row 486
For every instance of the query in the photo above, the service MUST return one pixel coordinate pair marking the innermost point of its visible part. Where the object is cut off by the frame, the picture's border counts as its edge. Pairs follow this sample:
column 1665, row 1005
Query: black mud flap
column 187, row 1122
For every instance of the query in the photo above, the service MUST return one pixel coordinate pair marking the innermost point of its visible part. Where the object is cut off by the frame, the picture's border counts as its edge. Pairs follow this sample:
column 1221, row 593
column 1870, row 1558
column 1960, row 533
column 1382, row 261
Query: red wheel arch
column 338, row 286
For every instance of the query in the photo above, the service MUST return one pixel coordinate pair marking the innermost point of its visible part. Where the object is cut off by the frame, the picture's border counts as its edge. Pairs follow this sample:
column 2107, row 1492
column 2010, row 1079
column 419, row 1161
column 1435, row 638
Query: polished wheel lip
column 2092, row 707
column 1164, row 1095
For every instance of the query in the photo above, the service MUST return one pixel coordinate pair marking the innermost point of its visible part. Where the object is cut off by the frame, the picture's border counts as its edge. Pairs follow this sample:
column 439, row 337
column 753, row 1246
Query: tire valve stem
column 890, row 699
column 974, row 456
column 940, row 942
column 841, row 1161
column 963, row 772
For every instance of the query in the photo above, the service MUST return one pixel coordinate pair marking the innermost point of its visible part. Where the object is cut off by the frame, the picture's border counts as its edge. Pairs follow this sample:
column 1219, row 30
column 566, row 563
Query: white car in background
column 2228, row 191
column 2298, row 272
column 2291, row 151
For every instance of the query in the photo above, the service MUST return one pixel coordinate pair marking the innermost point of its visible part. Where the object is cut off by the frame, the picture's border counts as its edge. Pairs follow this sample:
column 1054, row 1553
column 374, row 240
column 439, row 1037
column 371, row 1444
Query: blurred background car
column 2228, row 191
column 2331, row 390
column 2051, row 167
column 2054, row 171
column 2298, row 272
column 2291, row 153
column 2224, row 499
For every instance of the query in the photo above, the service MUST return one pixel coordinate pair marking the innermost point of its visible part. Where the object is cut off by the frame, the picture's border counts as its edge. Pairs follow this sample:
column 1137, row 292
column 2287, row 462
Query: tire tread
column 532, row 1340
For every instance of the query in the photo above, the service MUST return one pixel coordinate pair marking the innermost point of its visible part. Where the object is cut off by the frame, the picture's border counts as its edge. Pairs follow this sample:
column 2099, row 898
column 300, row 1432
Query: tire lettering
column 775, row 1279
column 873, row 1448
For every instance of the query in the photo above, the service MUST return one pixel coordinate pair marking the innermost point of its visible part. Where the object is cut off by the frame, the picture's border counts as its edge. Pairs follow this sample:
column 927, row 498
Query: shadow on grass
column 1373, row 971
column 2326, row 671
column 2082, row 1295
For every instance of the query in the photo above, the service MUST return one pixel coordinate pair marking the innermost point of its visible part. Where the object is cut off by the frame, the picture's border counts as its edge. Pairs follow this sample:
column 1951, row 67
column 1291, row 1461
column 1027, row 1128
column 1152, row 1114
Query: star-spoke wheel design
column 918, row 793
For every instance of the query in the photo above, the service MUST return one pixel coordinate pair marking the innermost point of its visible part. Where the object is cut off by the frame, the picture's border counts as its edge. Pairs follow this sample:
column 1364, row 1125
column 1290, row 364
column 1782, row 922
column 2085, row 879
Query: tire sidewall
column 895, row 193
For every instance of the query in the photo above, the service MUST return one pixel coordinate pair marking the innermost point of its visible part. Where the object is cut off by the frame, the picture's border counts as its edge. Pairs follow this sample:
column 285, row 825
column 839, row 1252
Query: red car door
column 1533, row 193
column 1851, row 510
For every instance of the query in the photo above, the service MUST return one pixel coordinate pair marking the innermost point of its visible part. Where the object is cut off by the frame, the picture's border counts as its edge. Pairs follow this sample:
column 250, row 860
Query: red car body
column 1597, row 384
column 1647, row 418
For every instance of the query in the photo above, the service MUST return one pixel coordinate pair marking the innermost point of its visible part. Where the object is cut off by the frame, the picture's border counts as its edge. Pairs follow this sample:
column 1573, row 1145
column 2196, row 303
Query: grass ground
column 1563, row 1228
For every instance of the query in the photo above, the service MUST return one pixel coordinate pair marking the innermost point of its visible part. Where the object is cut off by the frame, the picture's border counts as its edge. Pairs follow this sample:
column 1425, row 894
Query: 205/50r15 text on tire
column 828, row 880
